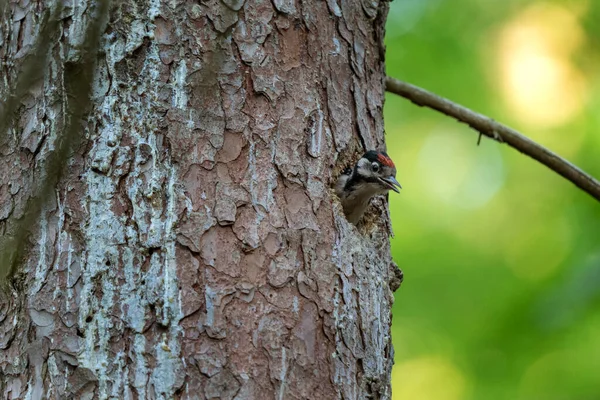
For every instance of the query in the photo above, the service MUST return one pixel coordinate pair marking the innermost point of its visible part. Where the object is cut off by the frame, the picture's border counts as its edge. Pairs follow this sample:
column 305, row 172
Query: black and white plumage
column 373, row 174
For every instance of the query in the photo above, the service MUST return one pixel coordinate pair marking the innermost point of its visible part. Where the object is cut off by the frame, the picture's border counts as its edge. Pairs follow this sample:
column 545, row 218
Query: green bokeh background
column 501, row 257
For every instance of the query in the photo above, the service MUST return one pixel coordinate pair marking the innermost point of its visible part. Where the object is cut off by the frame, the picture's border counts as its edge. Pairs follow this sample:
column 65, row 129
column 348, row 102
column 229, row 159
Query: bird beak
column 391, row 183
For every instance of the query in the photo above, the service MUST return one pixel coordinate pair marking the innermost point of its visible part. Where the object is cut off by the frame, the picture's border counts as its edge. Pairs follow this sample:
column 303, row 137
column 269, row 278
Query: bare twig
column 496, row 131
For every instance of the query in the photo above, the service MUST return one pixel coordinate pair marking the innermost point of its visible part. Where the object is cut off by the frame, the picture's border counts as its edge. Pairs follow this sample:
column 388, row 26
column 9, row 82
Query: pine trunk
column 192, row 248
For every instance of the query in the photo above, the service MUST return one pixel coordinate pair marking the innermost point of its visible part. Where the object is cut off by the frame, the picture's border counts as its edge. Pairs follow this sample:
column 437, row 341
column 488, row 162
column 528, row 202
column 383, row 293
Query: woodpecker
column 373, row 174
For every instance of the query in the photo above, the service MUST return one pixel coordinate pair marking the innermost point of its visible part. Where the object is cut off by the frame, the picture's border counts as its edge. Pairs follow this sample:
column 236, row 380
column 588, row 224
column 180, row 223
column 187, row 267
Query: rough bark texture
column 194, row 248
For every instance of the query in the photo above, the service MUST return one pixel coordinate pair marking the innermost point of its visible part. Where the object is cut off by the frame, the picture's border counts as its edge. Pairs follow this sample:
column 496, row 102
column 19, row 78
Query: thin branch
column 496, row 131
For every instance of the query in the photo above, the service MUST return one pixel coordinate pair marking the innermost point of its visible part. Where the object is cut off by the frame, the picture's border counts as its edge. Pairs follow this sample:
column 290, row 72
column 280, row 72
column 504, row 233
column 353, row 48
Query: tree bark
column 193, row 249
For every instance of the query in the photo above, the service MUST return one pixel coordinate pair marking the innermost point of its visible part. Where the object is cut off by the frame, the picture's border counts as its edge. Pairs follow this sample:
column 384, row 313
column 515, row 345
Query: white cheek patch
column 364, row 168
column 363, row 163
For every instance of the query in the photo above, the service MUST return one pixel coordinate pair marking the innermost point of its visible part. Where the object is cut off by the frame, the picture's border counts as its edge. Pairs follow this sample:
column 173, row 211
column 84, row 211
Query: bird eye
column 375, row 166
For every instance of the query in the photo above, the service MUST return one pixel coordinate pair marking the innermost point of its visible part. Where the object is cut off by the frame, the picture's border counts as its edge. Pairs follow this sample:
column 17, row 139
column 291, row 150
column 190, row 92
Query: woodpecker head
column 373, row 174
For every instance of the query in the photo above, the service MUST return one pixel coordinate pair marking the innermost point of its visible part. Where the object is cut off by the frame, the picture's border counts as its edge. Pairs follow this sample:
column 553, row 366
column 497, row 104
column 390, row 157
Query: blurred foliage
column 501, row 257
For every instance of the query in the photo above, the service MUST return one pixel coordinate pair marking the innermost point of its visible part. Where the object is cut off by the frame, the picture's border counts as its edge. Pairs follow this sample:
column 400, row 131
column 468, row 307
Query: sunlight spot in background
column 540, row 83
column 428, row 378
column 458, row 172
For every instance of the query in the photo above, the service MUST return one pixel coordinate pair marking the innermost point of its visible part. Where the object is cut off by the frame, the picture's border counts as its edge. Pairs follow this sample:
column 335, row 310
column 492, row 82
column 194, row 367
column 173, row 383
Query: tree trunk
column 193, row 248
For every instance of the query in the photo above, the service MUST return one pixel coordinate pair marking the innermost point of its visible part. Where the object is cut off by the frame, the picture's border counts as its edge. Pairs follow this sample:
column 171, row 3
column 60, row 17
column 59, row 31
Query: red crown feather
column 385, row 160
